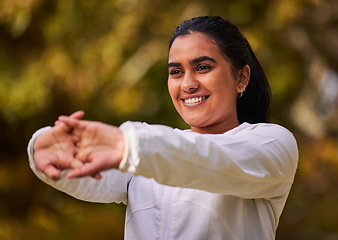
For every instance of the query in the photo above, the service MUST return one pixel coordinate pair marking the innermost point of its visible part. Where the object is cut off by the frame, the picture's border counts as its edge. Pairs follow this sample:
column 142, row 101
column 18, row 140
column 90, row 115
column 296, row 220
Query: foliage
column 109, row 59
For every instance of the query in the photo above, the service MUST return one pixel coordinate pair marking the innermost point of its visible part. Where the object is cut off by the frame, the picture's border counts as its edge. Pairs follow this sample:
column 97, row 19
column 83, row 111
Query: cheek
column 227, row 86
column 173, row 89
column 226, row 95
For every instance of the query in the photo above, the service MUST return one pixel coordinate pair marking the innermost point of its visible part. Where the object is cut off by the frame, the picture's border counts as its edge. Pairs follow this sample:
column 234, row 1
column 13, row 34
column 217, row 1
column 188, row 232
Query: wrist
column 130, row 159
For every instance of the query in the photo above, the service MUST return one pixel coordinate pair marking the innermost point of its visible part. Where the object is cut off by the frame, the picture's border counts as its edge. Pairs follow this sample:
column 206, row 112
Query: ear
column 243, row 79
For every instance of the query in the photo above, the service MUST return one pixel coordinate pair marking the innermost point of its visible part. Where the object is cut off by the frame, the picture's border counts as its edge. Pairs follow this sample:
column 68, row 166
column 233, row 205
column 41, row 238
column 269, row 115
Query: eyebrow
column 173, row 64
column 203, row 58
column 194, row 61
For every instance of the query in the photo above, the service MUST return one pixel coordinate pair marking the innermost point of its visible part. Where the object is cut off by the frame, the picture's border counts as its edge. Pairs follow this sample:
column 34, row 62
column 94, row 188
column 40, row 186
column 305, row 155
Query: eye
column 203, row 68
column 175, row 72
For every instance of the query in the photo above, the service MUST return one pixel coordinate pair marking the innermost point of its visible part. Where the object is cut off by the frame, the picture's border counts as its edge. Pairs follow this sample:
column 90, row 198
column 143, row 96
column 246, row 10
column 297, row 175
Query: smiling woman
column 198, row 70
column 228, row 177
column 253, row 106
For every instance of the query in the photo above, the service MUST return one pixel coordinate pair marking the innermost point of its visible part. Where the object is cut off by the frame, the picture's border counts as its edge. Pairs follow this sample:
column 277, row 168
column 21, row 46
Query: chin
column 194, row 124
column 197, row 120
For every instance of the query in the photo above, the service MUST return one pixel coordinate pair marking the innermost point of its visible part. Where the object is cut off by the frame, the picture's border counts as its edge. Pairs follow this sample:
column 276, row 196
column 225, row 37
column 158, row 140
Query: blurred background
column 109, row 59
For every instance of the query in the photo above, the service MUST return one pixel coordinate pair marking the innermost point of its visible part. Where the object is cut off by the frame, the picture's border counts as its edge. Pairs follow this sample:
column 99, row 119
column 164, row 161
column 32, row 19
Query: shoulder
column 266, row 133
column 274, row 135
column 264, row 129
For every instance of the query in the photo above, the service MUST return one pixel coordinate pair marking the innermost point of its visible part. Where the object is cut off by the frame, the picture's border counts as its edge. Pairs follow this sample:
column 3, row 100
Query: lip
column 194, row 100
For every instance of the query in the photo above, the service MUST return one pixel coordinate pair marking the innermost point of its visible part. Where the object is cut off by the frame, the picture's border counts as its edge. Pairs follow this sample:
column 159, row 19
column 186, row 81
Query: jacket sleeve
column 253, row 161
column 111, row 188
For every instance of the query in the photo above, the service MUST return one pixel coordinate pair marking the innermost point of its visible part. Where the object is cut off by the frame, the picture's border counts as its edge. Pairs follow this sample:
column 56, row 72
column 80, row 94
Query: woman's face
column 202, row 85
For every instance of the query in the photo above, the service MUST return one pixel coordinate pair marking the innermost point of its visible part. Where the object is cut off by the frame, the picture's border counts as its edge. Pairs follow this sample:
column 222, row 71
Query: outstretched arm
column 251, row 161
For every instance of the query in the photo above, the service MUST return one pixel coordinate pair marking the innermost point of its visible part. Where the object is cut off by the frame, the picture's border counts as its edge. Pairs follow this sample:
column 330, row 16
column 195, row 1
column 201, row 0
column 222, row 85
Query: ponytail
column 254, row 105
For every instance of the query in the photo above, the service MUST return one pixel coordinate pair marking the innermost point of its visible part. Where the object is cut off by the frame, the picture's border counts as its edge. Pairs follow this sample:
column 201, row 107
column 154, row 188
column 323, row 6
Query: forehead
column 193, row 45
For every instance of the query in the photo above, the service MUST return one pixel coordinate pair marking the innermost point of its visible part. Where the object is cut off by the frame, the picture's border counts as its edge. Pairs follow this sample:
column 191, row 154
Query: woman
column 226, row 178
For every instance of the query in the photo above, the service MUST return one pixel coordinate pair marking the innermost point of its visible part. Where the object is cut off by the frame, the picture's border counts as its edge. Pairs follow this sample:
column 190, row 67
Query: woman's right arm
column 111, row 188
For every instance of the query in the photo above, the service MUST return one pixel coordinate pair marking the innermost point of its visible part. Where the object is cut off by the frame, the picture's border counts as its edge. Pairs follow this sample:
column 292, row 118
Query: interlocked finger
column 77, row 133
column 82, row 154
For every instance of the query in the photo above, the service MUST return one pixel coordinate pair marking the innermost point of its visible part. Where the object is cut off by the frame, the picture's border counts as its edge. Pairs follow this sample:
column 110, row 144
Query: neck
column 216, row 128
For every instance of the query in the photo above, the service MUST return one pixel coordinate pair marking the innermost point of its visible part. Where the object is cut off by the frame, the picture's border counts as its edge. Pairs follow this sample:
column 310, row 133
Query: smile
column 195, row 99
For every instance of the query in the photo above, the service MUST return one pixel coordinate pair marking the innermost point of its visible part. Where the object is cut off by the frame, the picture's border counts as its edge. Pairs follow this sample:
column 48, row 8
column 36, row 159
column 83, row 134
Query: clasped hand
column 85, row 147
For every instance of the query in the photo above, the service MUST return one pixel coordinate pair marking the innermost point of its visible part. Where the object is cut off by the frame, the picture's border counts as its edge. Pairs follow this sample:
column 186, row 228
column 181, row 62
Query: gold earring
column 240, row 94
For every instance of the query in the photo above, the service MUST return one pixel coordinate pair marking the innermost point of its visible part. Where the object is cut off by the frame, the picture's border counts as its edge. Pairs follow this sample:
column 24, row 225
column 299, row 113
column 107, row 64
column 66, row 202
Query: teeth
column 194, row 100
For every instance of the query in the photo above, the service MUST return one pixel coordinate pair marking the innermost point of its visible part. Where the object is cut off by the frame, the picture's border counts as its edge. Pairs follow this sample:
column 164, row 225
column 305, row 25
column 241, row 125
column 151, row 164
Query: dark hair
column 254, row 105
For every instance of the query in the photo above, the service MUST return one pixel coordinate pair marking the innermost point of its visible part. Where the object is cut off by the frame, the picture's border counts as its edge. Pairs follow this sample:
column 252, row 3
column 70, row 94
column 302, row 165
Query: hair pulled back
column 254, row 105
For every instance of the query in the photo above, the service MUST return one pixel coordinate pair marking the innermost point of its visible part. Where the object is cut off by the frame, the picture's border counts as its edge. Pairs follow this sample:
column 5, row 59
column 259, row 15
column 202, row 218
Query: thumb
column 76, row 164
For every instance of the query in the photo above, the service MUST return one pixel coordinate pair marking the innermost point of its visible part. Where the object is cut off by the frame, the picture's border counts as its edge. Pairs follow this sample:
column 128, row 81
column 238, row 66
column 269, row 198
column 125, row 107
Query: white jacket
column 186, row 185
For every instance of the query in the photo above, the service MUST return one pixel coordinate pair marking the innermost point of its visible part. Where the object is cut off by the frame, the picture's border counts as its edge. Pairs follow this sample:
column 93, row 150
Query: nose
column 189, row 83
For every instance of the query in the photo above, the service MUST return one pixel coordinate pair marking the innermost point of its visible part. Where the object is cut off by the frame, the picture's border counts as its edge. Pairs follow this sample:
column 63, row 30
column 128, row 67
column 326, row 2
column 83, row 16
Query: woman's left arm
column 251, row 161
